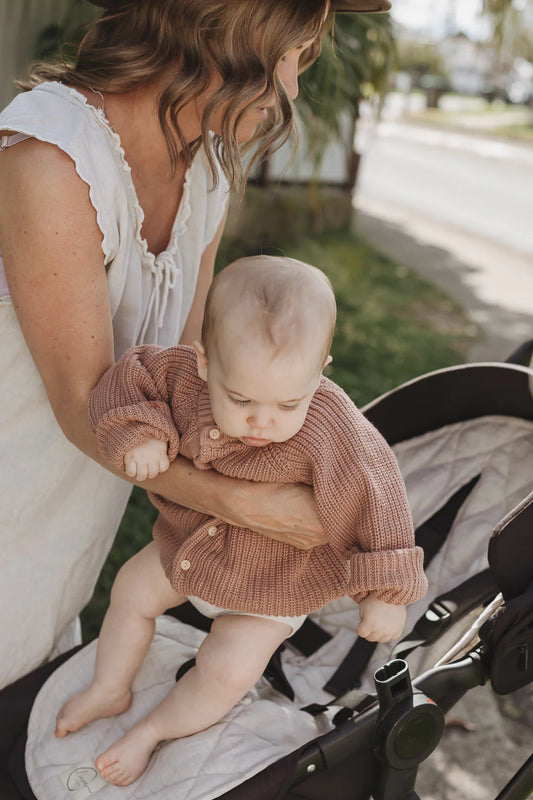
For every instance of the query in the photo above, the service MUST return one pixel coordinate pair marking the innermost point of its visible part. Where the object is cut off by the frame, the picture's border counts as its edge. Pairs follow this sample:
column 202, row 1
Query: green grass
column 392, row 326
column 478, row 116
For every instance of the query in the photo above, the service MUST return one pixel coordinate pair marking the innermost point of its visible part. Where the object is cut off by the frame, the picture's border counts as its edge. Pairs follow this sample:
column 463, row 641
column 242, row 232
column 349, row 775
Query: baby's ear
column 201, row 357
column 328, row 360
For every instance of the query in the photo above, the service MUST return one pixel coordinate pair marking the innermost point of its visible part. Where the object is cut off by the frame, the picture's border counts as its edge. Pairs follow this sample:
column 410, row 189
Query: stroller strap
column 309, row 637
column 431, row 535
column 446, row 609
column 443, row 612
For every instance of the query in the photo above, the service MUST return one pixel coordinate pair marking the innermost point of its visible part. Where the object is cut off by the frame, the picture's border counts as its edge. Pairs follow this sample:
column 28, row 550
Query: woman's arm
column 51, row 246
column 285, row 512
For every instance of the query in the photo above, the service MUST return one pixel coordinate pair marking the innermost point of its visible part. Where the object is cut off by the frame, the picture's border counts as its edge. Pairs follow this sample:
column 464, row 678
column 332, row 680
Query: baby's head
column 266, row 337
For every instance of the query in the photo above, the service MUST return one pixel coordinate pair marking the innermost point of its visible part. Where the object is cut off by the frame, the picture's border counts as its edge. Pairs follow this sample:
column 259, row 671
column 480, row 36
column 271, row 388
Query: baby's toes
column 107, row 764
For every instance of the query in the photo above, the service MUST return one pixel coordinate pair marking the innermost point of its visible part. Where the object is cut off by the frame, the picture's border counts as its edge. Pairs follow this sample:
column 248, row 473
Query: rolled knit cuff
column 394, row 576
column 119, row 431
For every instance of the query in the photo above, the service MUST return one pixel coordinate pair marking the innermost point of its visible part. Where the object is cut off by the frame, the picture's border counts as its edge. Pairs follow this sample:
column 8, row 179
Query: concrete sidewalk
column 493, row 284
column 487, row 738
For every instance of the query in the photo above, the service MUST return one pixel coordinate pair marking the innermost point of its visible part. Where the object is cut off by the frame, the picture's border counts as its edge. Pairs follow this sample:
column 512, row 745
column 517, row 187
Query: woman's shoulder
column 51, row 112
column 66, row 130
column 59, row 115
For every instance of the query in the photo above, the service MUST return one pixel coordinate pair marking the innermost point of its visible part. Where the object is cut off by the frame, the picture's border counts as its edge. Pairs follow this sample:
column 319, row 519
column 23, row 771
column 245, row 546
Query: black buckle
column 437, row 613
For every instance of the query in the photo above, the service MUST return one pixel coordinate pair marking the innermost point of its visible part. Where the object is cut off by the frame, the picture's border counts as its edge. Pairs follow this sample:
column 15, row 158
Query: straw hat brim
column 361, row 6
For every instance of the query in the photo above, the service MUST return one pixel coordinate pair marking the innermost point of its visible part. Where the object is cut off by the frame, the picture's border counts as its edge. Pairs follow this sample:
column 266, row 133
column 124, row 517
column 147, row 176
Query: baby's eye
column 285, row 407
column 238, row 402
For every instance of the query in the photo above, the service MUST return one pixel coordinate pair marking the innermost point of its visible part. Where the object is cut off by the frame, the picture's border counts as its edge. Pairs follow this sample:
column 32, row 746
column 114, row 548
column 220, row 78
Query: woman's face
column 287, row 71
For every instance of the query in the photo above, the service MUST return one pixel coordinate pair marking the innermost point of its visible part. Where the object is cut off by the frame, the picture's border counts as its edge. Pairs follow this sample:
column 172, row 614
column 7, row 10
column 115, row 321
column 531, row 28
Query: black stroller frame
column 378, row 742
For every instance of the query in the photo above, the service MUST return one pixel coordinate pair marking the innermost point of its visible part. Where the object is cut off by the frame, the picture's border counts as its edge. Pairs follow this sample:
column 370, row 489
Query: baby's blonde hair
column 274, row 299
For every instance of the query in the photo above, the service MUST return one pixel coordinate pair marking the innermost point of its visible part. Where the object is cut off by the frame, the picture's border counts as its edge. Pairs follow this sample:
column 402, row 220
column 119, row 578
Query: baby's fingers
column 164, row 463
column 375, row 632
column 366, row 630
column 136, row 468
column 130, row 466
column 153, row 467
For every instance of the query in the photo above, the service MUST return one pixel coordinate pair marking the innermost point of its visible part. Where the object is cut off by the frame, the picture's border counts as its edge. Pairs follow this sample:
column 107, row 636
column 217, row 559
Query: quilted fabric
column 264, row 726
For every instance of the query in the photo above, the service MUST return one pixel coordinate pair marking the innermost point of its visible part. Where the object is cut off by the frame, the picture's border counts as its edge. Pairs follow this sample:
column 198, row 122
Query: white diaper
column 211, row 611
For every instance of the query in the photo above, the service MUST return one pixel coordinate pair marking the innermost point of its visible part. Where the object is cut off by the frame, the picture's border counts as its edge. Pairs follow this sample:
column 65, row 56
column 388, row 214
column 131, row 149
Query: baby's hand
column 147, row 460
column 380, row 621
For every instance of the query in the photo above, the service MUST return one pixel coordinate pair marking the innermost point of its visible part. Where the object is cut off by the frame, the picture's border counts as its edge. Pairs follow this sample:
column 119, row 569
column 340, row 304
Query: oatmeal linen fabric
column 360, row 495
column 60, row 510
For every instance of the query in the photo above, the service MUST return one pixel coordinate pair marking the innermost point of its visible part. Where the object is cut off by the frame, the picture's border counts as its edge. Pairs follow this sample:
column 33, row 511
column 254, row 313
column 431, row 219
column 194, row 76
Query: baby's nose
column 261, row 418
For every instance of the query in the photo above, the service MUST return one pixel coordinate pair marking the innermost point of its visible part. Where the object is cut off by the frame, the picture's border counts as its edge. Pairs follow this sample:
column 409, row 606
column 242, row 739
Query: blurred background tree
column 507, row 27
column 63, row 35
column 354, row 65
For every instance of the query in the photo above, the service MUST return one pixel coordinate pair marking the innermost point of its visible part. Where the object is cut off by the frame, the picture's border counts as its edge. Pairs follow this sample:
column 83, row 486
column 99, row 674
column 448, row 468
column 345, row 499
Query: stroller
column 337, row 716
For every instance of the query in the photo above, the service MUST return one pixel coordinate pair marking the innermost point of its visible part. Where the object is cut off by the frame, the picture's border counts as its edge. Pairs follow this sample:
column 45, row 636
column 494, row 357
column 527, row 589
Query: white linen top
column 59, row 509
column 150, row 295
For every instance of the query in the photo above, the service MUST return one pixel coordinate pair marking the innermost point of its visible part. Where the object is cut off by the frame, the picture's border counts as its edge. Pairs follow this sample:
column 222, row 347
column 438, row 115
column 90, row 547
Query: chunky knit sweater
column 359, row 493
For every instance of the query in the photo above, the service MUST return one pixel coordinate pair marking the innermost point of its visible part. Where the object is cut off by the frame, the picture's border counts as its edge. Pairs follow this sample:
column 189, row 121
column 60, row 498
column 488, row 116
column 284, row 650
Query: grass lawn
column 392, row 326
column 476, row 115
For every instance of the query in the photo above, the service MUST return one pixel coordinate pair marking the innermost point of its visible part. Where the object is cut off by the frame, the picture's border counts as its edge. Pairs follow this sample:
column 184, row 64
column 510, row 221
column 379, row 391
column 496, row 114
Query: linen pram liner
column 265, row 725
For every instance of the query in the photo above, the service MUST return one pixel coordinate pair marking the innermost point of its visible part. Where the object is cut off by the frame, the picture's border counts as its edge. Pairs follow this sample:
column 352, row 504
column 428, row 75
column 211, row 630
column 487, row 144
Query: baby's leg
column 140, row 593
column 229, row 662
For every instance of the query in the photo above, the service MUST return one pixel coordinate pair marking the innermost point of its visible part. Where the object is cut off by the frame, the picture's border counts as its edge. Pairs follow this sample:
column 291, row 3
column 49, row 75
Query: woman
column 114, row 178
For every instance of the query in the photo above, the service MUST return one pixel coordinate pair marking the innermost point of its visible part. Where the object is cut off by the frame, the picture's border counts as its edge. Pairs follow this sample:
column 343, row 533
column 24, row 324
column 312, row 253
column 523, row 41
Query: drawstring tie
column 164, row 273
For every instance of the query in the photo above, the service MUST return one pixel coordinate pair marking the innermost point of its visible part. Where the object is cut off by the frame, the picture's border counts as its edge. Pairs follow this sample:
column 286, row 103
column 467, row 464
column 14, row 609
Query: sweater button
column 214, row 433
column 185, row 564
column 212, row 531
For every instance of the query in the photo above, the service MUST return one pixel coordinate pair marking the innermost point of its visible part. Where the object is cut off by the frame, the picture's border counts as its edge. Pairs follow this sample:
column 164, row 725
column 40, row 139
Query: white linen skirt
column 59, row 513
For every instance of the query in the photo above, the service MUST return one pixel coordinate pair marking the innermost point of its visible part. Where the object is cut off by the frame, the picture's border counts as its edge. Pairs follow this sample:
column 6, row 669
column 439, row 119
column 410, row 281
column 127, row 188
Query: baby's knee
column 123, row 585
column 229, row 670
column 132, row 593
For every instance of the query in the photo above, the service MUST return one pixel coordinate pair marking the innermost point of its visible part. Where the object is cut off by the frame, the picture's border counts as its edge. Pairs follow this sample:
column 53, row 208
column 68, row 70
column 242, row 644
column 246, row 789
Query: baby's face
column 258, row 398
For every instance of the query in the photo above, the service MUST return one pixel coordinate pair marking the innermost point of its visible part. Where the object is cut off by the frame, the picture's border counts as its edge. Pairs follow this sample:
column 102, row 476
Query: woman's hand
column 284, row 512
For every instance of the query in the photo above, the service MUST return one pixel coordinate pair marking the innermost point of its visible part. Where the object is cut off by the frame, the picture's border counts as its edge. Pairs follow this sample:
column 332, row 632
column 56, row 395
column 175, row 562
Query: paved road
column 426, row 199
column 458, row 208
column 480, row 185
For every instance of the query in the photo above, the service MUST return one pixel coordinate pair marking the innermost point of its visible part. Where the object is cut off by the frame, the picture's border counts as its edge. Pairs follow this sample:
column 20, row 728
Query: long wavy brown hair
column 135, row 41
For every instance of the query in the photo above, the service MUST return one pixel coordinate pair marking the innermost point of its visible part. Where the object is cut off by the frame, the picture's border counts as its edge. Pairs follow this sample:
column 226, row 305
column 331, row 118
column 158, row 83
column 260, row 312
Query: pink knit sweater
column 359, row 493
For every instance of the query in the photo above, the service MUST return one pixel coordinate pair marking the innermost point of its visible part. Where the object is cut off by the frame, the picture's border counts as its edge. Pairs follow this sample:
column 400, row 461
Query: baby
column 249, row 401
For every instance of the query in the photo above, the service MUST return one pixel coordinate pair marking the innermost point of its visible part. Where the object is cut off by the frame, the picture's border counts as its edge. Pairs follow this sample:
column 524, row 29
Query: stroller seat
column 470, row 425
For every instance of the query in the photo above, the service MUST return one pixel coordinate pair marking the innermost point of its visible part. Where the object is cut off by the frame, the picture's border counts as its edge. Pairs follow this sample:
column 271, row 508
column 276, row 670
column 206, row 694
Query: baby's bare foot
column 126, row 759
column 93, row 703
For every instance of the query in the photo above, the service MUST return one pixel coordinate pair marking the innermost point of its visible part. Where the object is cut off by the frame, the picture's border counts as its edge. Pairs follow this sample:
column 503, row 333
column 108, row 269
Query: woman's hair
column 135, row 41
